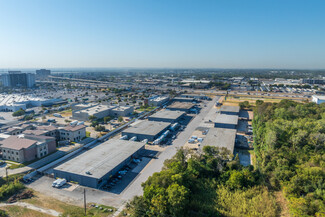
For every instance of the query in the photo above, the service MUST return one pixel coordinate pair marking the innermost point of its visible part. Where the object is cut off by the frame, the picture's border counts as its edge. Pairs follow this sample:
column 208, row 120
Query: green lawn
column 147, row 109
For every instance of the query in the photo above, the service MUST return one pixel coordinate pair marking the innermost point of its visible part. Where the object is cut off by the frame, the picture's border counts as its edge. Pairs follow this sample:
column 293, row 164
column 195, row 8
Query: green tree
column 107, row 119
column 244, row 105
column 120, row 119
column 100, row 128
column 20, row 112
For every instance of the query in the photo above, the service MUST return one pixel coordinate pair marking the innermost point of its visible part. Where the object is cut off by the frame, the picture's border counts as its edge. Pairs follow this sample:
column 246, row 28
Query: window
column 4, row 150
column 16, row 153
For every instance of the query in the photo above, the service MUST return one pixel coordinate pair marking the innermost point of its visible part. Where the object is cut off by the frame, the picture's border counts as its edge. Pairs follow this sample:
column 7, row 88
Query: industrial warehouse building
column 14, row 102
column 150, row 130
column 100, row 111
column 158, row 100
column 193, row 96
column 122, row 111
column 94, row 167
column 226, row 121
column 229, row 110
column 181, row 106
column 183, row 99
column 221, row 137
column 167, row 116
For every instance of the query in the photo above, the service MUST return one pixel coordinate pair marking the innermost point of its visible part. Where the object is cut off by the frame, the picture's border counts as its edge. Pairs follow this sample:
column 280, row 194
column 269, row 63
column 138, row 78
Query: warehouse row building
column 223, row 135
column 96, row 166
column 219, row 132
column 169, row 116
column 149, row 130
column 180, row 106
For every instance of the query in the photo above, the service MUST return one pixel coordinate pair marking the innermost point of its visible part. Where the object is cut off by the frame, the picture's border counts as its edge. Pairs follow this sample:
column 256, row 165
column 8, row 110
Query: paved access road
column 156, row 164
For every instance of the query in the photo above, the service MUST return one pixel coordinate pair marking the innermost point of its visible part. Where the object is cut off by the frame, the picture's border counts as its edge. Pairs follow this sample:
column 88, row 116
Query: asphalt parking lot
column 73, row 193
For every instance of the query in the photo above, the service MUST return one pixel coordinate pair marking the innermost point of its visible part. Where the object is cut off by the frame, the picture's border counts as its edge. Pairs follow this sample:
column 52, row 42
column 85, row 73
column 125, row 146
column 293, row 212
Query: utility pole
column 85, row 201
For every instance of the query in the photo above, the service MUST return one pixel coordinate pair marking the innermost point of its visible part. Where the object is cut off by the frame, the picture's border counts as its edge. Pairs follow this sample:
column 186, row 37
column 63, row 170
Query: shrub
column 20, row 112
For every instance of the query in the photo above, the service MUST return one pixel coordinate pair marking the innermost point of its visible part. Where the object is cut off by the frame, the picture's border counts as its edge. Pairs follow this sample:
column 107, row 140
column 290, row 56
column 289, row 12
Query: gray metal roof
column 226, row 108
column 167, row 114
column 181, row 105
column 101, row 159
column 221, row 137
column 227, row 119
column 147, row 128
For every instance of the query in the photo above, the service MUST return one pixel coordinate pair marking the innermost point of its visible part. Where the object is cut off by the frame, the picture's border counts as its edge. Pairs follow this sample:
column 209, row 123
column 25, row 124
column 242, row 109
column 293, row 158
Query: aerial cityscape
column 149, row 108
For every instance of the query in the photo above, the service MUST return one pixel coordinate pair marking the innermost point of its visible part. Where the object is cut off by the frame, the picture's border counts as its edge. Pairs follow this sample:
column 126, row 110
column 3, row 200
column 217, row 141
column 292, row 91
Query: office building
column 17, row 79
column 23, row 148
column 42, row 73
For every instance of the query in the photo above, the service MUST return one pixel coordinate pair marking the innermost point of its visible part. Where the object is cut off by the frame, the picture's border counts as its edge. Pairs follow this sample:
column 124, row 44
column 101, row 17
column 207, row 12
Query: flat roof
column 181, row 105
column 101, row 159
column 122, row 108
column 147, row 128
column 227, row 119
column 183, row 98
column 221, row 137
column 167, row 114
column 95, row 109
column 227, row 108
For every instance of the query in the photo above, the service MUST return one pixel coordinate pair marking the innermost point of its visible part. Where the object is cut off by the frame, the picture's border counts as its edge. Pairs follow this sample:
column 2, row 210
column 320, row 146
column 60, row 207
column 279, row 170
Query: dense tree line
column 289, row 143
column 206, row 184
column 290, row 150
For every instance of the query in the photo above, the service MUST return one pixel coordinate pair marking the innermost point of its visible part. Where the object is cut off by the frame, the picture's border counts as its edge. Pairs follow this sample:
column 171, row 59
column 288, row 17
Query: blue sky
column 162, row 33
